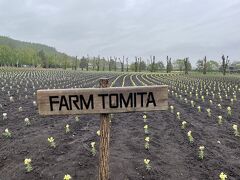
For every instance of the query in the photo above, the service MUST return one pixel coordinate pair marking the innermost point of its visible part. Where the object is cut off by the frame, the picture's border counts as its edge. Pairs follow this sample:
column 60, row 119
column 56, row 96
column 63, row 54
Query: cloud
column 177, row 28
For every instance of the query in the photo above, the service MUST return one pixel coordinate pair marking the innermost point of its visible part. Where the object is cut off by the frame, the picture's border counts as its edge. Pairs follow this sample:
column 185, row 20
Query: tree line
column 18, row 53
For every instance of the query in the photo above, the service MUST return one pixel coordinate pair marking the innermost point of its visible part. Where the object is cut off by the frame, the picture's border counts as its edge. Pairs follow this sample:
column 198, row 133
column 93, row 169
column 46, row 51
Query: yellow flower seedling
column 201, row 152
column 183, row 125
column 147, row 139
column 219, row 106
column 147, row 164
column 98, row 132
column 67, row 128
column 199, row 108
column 27, row 122
column 229, row 111
column 67, row 177
column 220, row 119
column 27, row 163
column 51, row 140
column 93, row 150
column 4, row 116
column 146, row 129
column 171, row 109
column 209, row 112
column 222, row 176
column 236, row 131
column 178, row 115
column 145, row 118
column 190, row 138
column 7, row 133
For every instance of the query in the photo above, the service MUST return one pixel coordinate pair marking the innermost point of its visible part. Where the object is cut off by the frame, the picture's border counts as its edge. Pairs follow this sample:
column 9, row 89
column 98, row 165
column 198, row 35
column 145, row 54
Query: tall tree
column 225, row 62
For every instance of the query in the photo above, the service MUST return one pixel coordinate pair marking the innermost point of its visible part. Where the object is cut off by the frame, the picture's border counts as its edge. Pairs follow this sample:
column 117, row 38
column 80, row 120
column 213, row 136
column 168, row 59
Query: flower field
column 197, row 138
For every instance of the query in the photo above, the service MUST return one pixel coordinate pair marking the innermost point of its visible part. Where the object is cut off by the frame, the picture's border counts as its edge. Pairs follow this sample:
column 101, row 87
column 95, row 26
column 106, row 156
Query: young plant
column 184, row 123
column 98, row 132
column 147, row 139
column 219, row 106
column 4, row 116
column 144, row 118
column 147, row 164
column 67, row 129
column 67, row 177
column 222, row 176
column 209, row 112
column 51, row 141
column 229, row 111
column 20, row 109
column 178, row 115
column 201, row 152
column 28, row 166
column 190, row 138
column 27, row 122
column 203, row 99
column 199, row 109
column 192, row 103
column 7, row 133
column 77, row 119
column 236, row 131
column 34, row 103
column 220, row 119
column 146, row 129
column 171, row 109
column 93, row 150
column 210, row 102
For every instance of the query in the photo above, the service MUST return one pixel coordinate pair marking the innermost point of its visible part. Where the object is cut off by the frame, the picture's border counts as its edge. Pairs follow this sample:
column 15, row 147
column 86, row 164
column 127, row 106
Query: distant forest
column 19, row 53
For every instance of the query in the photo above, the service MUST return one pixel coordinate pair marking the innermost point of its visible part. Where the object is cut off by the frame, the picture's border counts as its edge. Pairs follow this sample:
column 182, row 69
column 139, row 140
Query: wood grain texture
column 160, row 94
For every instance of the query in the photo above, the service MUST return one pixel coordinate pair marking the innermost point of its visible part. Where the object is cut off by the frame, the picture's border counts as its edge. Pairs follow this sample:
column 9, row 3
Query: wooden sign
column 102, row 100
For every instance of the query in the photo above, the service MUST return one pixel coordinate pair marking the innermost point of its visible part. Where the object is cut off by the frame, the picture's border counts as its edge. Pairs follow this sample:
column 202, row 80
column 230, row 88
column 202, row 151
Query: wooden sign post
column 103, row 169
column 103, row 100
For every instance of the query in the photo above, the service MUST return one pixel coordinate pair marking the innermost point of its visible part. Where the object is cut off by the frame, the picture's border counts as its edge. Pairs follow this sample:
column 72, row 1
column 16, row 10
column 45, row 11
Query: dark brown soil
column 171, row 154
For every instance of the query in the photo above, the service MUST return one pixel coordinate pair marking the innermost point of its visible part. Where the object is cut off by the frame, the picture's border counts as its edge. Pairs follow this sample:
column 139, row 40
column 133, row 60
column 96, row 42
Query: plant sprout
column 146, row 129
column 147, row 139
column 219, row 119
column 67, row 128
column 93, row 150
column 190, row 138
column 229, row 111
column 199, row 108
column 27, row 163
column 192, row 103
column 183, row 125
column 34, row 103
column 7, row 133
column 27, row 122
column 98, row 132
column 222, row 176
column 147, row 164
column 20, row 109
column 178, row 115
column 145, row 118
column 201, row 152
column 11, row 99
column 4, row 116
column 209, row 112
column 219, row 106
column 171, row 109
column 236, row 131
column 203, row 99
column 51, row 140
column 77, row 119
column 210, row 101
column 67, row 177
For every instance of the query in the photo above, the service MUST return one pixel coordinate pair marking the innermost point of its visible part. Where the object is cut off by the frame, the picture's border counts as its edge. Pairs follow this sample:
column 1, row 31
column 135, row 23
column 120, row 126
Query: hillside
column 17, row 53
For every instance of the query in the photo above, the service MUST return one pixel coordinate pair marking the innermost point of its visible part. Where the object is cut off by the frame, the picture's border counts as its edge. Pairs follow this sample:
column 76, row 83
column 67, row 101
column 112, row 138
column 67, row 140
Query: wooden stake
column 103, row 171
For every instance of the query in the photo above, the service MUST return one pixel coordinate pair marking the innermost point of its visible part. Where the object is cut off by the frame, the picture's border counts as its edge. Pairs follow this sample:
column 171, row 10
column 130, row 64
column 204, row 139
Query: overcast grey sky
column 177, row 28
